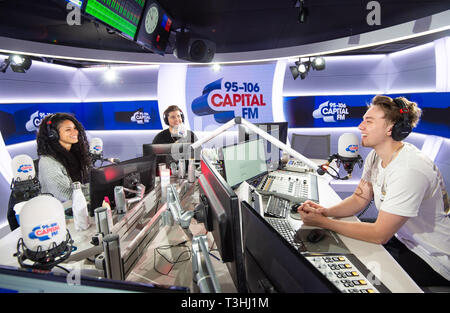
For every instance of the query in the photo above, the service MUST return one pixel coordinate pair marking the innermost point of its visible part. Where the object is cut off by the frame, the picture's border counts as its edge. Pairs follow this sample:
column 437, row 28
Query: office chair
column 312, row 146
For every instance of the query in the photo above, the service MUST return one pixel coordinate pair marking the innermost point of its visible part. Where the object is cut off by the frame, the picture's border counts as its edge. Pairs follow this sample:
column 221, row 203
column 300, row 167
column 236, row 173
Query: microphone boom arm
column 265, row 135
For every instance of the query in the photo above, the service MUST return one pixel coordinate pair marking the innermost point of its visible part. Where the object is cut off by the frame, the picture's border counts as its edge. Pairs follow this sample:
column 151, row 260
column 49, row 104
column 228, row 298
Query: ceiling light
column 302, row 68
column 318, row 63
column 18, row 63
column 294, row 71
column 110, row 74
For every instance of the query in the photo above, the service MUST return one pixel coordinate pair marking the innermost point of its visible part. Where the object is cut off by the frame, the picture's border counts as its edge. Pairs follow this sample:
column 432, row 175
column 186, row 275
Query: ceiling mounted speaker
column 191, row 48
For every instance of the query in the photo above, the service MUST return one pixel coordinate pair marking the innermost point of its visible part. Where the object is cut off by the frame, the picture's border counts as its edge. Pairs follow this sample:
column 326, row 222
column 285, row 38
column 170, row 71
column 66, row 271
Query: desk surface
column 150, row 264
column 373, row 256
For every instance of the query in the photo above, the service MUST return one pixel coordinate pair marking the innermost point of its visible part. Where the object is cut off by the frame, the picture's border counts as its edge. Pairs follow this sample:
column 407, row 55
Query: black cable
column 165, row 247
column 65, row 269
column 325, row 168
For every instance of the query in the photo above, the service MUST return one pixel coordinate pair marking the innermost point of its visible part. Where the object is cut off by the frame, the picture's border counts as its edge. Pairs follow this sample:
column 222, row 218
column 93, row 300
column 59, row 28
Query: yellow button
column 348, row 265
column 362, row 282
column 341, row 258
column 370, row 291
column 355, row 274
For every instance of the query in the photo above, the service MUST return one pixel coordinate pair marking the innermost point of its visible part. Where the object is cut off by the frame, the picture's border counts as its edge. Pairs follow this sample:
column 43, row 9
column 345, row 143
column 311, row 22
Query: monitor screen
column 221, row 212
column 104, row 179
column 15, row 280
column 154, row 28
column 170, row 152
column 275, row 266
column 77, row 3
column 121, row 15
column 244, row 161
column 279, row 130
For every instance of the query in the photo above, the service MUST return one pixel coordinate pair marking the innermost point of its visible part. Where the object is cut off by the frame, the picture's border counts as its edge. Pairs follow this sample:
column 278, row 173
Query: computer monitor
column 170, row 152
column 243, row 161
column 16, row 280
column 221, row 213
column 103, row 180
column 122, row 16
column 278, row 130
column 271, row 264
column 154, row 28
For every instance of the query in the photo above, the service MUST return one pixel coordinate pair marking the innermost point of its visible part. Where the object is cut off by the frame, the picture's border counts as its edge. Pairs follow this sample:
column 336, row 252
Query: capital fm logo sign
column 331, row 111
column 35, row 120
column 44, row 232
column 140, row 117
column 225, row 100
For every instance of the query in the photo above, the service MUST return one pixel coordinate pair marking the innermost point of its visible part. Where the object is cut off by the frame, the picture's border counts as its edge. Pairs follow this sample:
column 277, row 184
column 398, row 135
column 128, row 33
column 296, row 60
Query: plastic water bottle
column 79, row 208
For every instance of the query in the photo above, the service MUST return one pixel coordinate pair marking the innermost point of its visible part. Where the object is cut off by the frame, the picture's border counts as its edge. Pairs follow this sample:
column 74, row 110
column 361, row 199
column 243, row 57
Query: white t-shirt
column 412, row 186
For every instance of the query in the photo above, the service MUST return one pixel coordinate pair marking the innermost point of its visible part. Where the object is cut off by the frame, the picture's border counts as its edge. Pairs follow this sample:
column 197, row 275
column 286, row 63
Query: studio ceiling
column 235, row 26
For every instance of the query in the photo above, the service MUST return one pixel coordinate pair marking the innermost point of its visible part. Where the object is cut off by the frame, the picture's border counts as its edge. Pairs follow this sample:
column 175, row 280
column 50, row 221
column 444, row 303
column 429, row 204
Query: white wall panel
column 131, row 83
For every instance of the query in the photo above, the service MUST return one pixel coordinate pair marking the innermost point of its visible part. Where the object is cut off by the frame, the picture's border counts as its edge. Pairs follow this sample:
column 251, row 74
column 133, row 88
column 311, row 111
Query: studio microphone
column 45, row 240
column 348, row 156
column 179, row 131
column 25, row 185
column 96, row 152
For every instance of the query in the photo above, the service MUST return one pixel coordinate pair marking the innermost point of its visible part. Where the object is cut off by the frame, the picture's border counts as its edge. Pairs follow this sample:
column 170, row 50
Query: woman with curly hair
column 63, row 152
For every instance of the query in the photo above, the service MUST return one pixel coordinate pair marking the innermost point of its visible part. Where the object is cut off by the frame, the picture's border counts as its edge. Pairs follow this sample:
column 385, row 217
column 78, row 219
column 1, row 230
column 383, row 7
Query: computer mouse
column 295, row 206
column 315, row 235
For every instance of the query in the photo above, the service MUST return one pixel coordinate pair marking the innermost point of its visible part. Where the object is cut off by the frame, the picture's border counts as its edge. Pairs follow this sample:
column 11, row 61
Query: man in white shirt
column 413, row 220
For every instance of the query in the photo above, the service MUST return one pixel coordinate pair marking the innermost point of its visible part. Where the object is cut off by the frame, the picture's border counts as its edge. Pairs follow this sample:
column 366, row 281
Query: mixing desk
column 293, row 186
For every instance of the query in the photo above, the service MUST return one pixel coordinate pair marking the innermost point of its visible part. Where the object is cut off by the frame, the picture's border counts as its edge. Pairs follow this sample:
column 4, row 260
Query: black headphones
column 166, row 117
column 52, row 132
column 402, row 128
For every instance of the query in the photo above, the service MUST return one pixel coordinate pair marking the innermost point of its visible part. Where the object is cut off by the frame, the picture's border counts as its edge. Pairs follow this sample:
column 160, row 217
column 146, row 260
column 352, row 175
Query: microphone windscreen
column 42, row 223
column 182, row 131
column 23, row 168
column 96, row 146
column 348, row 145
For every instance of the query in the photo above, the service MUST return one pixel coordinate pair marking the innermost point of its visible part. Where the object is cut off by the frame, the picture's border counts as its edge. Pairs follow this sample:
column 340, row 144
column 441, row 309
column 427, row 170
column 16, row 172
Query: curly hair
column 392, row 112
column 76, row 161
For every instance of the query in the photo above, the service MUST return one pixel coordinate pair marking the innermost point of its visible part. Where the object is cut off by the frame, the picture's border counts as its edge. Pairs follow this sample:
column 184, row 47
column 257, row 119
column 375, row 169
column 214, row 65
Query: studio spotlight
column 294, row 71
column 18, row 63
column 302, row 68
column 318, row 63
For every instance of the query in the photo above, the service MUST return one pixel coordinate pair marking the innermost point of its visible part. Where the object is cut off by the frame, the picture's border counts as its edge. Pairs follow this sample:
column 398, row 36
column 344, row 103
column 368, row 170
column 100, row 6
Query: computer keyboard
column 277, row 207
column 285, row 229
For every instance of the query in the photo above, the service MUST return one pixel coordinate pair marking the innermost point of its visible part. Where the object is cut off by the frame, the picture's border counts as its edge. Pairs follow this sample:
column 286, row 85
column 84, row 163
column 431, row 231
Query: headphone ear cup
column 401, row 130
column 52, row 133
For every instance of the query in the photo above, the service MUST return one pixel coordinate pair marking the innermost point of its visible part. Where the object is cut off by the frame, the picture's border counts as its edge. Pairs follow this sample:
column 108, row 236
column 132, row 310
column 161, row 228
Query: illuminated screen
column 78, row 3
column 244, row 161
column 123, row 15
column 156, row 39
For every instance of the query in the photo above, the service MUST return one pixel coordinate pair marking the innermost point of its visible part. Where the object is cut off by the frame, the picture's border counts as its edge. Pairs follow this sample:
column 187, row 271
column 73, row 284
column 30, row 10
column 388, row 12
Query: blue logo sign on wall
column 331, row 111
column 201, row 107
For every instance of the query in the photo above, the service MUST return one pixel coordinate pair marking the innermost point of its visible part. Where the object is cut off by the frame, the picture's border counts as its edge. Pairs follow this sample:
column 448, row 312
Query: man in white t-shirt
column 413, row 222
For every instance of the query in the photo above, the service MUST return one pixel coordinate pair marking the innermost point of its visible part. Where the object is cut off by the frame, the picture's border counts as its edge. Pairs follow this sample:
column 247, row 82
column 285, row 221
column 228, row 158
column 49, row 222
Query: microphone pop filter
column 96, row 146
column 348, row 145
column 23, row 168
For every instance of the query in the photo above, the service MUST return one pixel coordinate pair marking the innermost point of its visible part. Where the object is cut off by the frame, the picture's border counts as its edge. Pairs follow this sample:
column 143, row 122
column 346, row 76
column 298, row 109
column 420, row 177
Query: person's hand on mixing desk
column 312, row 214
